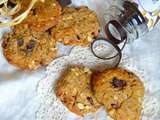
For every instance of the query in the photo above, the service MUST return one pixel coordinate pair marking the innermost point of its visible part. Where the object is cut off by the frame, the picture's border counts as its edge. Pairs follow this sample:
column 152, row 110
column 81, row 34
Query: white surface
column 18, row 100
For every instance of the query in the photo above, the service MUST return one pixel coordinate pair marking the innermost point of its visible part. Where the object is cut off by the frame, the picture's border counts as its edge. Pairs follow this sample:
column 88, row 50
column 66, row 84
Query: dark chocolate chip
column 30, row 46
column 34, row 11
column 115, row 105
column 4, row 44
column 49, row 31
column 20, row 42
column 93, row 33
column 90, row 100
column 78, row 37
column 117, row 83
column 64, row 3
column 78, row 8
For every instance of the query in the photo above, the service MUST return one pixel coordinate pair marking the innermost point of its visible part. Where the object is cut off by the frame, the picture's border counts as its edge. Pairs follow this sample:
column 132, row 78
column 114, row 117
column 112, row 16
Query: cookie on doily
column 120, row 91
column 74, row 90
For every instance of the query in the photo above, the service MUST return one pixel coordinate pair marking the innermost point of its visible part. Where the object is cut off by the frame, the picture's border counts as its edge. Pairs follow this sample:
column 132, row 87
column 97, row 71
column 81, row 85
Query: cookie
column 77, row 26
column 120, row 91
column 28, row 49
column 74, row 90
column 43, row 15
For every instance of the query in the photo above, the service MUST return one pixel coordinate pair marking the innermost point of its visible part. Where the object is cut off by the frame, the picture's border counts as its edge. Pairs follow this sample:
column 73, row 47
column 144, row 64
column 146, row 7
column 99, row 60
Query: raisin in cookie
column 120, row 91
column 43, row 15
column 74, row 91
column 28, row 49
column 77, row 26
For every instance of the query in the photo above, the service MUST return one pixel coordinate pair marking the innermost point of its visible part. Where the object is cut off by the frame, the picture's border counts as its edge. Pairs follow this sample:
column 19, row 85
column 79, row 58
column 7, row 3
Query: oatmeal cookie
column 120, row 91
column 43, row 15
column 74, row 91
column 77, row 26
column 28, row 49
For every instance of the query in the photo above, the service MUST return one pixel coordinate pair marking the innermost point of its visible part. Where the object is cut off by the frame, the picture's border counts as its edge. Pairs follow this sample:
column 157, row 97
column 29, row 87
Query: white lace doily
column 52, row 109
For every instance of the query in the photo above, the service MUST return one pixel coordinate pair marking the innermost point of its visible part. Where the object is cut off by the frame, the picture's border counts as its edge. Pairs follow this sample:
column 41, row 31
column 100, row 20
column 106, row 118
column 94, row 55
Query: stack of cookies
column 82, row 91
column 32, row 43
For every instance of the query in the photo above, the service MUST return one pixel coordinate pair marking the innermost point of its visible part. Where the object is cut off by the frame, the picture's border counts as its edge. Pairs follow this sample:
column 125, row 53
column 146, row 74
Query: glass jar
column 150, row 10
column 126, row 18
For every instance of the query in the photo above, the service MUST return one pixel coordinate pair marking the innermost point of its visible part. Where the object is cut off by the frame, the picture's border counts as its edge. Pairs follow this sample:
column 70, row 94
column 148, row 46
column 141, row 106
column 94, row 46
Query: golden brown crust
column 28, row 49
column 74, row 91
column 43, row 15
column 77, row 26
column 121, row 92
